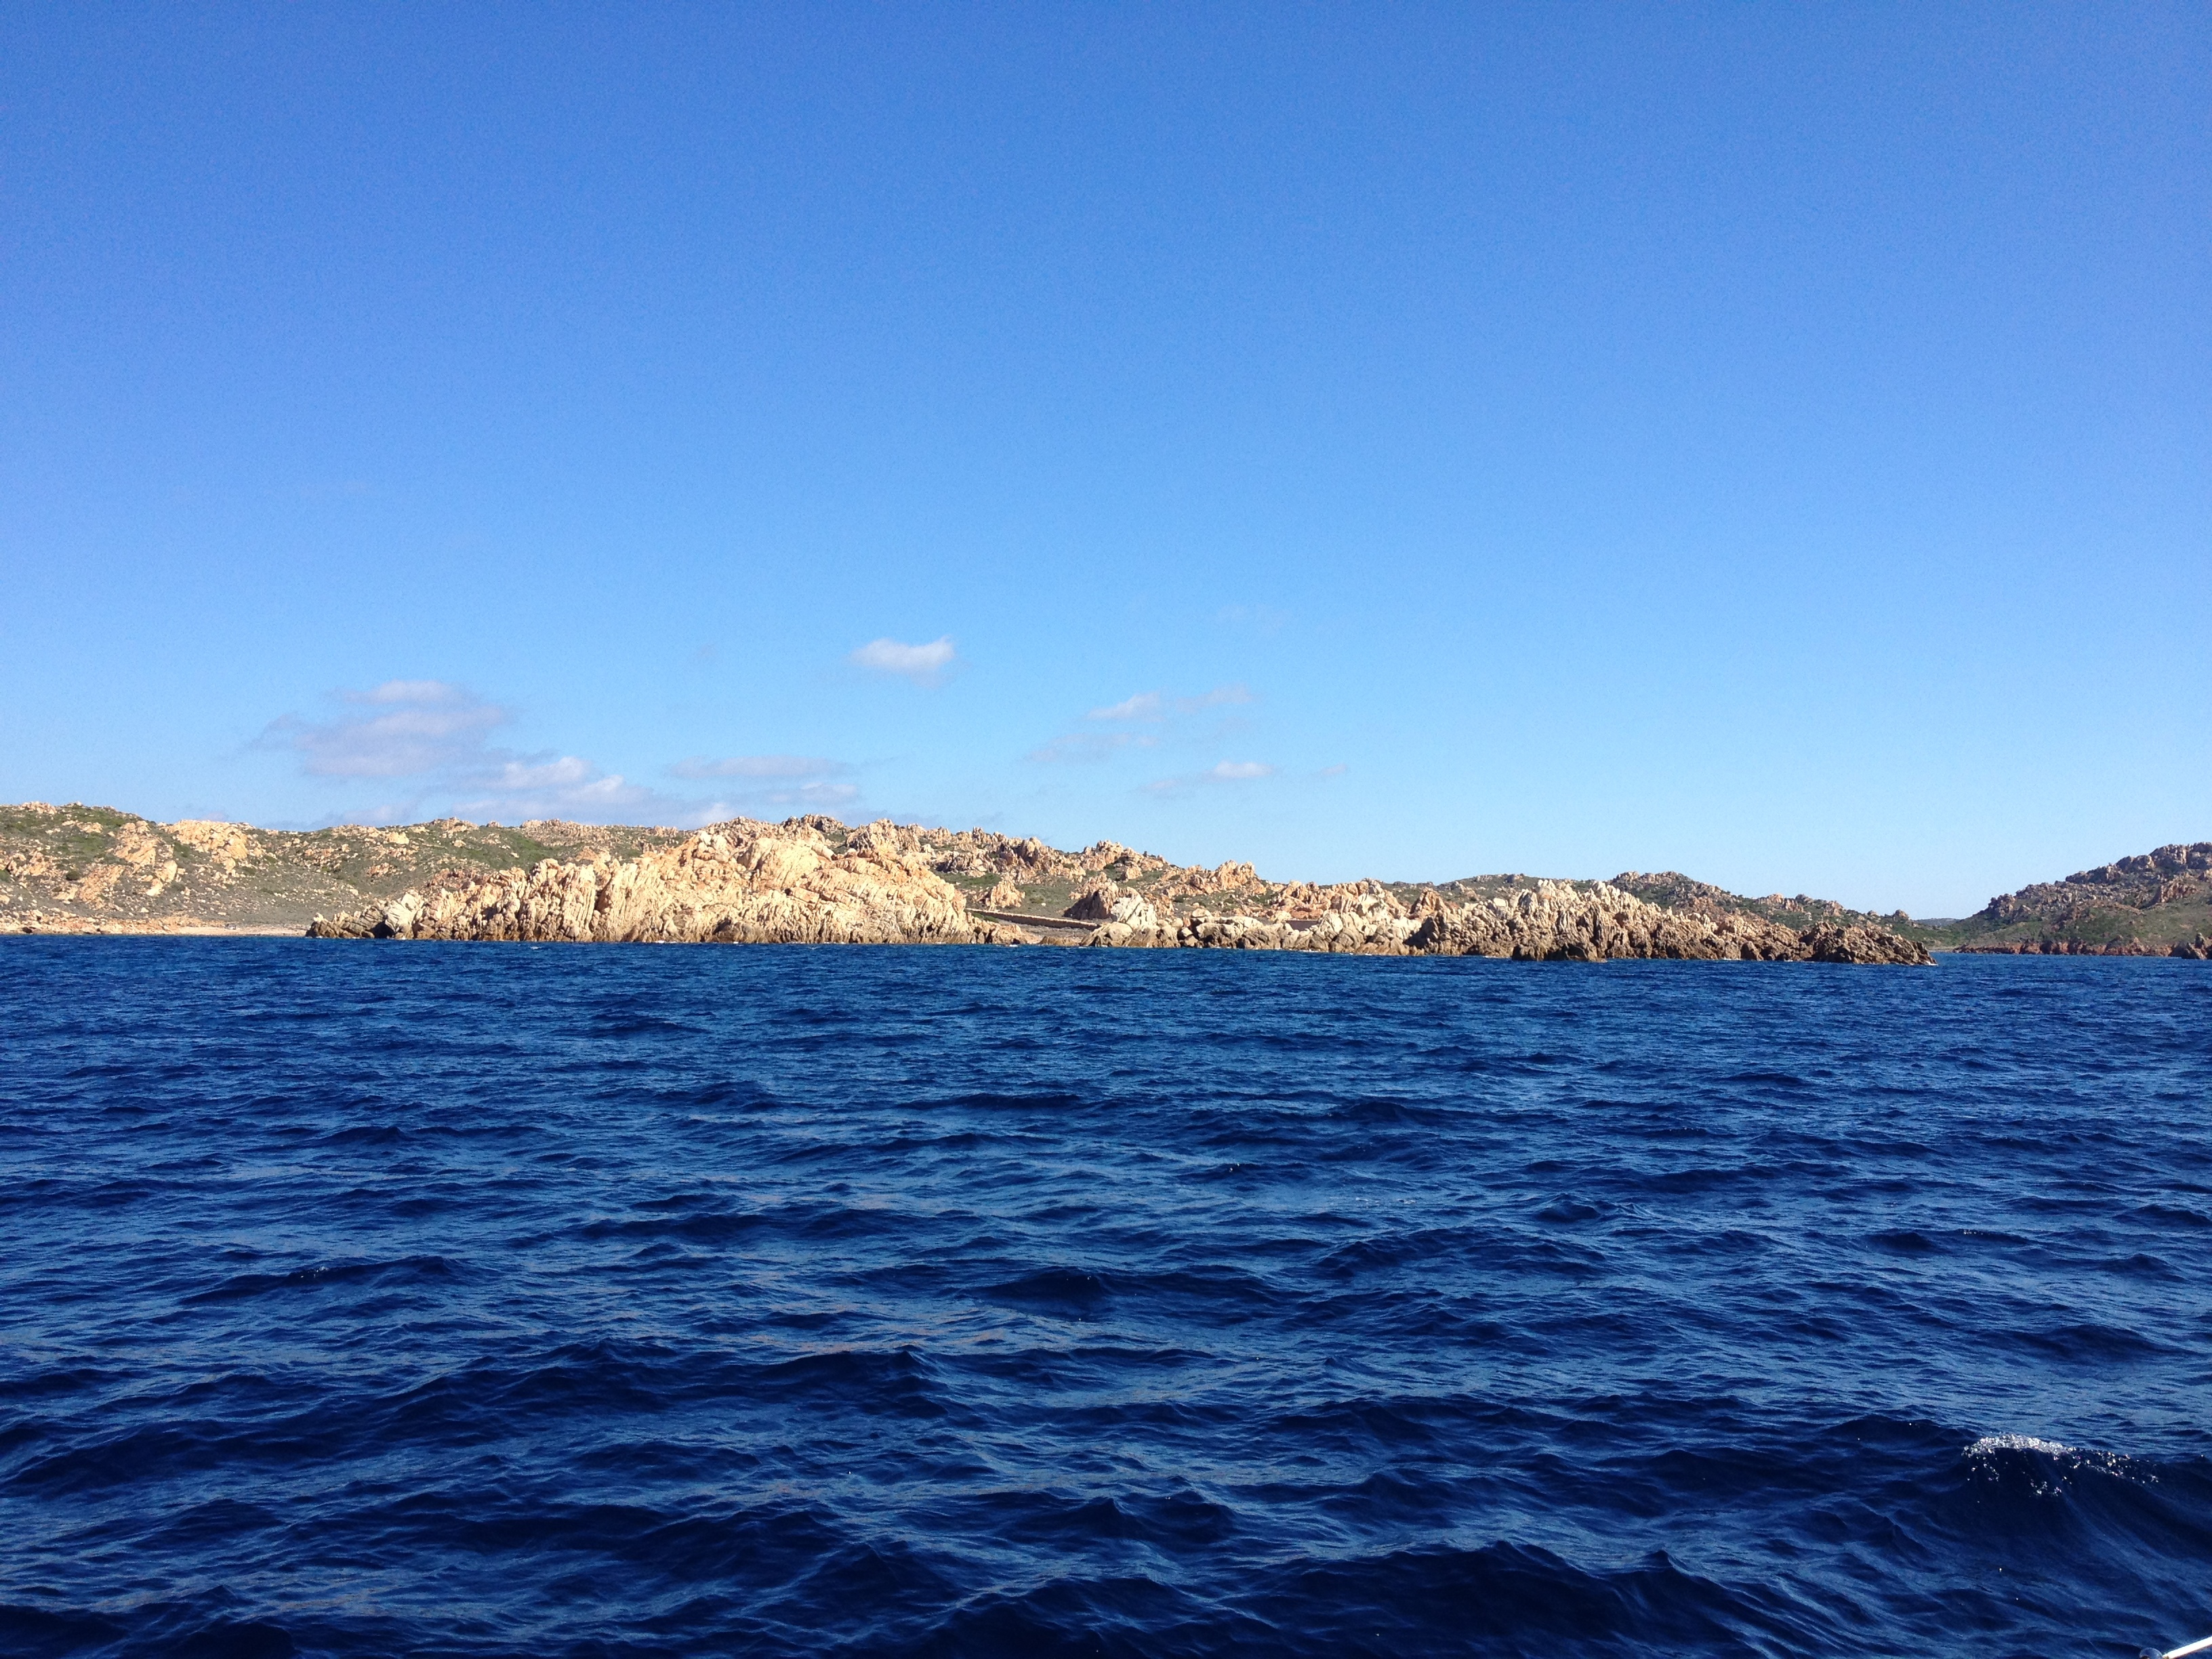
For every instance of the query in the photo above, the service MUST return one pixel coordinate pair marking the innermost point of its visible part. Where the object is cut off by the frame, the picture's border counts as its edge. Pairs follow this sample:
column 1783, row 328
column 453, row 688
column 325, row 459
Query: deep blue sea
column 421, row 1300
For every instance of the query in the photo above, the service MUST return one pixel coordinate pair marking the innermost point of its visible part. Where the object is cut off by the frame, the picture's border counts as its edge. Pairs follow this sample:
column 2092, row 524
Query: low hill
column 2154, row 904
column 1675, row 891
column 77, row 868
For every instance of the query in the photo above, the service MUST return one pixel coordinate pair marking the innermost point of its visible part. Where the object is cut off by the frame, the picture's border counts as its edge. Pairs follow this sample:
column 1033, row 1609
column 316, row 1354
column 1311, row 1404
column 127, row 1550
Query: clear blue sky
column 1770, row 442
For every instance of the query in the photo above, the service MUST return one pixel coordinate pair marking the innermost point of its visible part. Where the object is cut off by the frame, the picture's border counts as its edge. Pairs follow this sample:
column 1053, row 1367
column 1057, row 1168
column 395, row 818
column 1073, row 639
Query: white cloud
column 570, row 772
column 422, row 726
column 1152, row 707
column 831, row 799
column 433, row 738
column 1215, row 698
column 782, row 785
column 1092, row 746
column 1145, row 705
column 437, row 735
column 426, row 691
column 565, row 786
column 759, row 766
column 1220, row 773
column 922, row 664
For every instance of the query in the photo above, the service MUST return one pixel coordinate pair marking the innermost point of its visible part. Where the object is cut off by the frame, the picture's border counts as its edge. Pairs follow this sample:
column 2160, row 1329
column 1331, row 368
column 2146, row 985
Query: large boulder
column 1094, row 903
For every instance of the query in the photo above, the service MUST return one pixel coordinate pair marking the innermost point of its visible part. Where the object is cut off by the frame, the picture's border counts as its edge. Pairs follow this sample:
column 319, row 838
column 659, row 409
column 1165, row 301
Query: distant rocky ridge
column 2155, row 904
column 1673, row 891
column 79, row 868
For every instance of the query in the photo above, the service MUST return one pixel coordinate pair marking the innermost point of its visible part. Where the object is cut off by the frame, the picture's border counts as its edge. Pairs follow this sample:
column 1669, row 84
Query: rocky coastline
column 798, row 883
column 94, row 870
column 2157, row 903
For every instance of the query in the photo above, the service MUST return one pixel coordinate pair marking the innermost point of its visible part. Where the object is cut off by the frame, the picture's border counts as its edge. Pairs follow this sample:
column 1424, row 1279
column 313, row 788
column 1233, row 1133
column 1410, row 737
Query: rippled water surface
column 602, row 1301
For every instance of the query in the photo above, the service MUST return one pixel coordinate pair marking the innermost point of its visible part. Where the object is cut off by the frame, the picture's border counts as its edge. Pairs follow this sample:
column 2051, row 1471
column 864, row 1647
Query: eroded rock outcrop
column 75, row 868
column 736, row 883
column 748, row 883
column 1552, row 921
column 2157, row 903
column 1104, row 902
column 1556, row 921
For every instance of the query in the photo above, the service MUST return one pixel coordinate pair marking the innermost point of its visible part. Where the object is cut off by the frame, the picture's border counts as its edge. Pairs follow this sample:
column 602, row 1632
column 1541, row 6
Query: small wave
column 1061, row 1290
column 1905, row 1241
column 329, row 1275
column 2072, row 1459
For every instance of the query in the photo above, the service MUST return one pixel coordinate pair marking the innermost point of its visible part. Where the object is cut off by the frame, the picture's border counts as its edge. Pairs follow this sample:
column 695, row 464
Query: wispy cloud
column 1139, row 710
column 1221, row 697
column 1092, row 746
column 830, row 798
column 1145, row 705
column 1222, row 772
column 1155, row 705
column 409, row 727
column 925, row 665
column 785, row 783
column 759, row 766
column 564, row 786
column 1260, row 619
column 433, row 737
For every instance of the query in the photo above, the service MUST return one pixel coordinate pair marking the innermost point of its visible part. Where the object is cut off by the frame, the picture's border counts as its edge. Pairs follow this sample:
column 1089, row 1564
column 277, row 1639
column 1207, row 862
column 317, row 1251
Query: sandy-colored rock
column 1557, row 922
column 96, row 884
column 135, row 844
column 82, row 868
column 735, row 882
column 747, row 883
column 1342, row 932
column 1094, row 903
column 226, row 843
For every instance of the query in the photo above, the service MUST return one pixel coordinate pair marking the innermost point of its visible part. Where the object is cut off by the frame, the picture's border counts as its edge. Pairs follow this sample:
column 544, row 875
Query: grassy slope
column 2157, row 927
column 77, row 860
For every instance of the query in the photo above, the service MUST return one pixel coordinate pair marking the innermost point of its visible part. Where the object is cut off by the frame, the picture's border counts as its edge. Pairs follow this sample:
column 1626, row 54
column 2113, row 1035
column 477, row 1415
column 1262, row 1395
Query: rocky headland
column 86, row 869
column 2153, row 904
column 813, row 880
column 90, row 869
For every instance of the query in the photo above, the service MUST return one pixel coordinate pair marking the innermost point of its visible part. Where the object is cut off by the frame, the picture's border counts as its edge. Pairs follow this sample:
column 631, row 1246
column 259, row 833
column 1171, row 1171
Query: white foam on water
column 2116, row 1464
column 1998, row 1442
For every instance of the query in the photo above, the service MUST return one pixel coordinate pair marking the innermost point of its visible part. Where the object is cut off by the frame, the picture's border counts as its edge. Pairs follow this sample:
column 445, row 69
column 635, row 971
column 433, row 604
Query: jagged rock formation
column 1552, row 921
column 737, row 884
column 81, row 868
column 756, row 883
column 1671, row 890
column 2155, row 904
